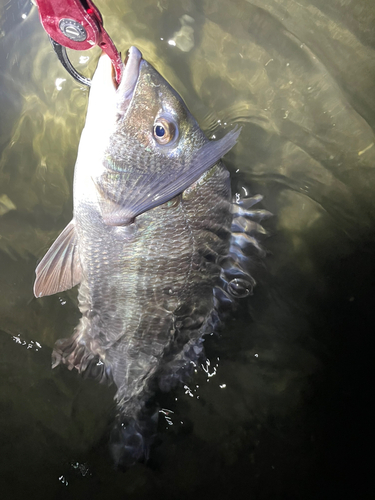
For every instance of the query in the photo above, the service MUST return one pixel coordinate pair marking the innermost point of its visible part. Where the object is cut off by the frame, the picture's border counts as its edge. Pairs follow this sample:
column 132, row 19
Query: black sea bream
column 155, row 244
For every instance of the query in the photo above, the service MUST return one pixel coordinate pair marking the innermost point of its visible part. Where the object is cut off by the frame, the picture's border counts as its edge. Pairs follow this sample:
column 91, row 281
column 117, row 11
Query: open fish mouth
column 129, row 79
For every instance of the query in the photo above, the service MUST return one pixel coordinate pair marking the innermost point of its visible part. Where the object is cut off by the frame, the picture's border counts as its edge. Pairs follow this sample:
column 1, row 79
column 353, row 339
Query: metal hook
column 60, row 51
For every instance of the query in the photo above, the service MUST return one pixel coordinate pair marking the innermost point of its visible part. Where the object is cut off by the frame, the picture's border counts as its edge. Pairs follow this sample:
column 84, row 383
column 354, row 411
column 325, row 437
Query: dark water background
column 284, row 408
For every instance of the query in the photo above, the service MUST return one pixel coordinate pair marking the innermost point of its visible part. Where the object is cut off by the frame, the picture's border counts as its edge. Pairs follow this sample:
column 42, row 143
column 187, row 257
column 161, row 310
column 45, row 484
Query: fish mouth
column 129, row 78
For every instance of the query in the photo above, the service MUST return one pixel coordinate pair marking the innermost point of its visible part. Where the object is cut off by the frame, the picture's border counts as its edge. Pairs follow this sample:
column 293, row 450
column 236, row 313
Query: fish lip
column 129, row 79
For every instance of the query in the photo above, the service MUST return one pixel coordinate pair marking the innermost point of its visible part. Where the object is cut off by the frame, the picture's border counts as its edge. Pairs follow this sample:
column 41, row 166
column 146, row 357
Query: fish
column 156, row 245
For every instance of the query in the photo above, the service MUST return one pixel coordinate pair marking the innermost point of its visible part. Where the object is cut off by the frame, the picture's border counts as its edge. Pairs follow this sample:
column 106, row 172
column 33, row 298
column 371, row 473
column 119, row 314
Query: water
column 282, row 410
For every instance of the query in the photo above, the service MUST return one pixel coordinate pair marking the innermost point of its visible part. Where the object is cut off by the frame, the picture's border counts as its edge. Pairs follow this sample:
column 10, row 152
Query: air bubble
column 239, row 288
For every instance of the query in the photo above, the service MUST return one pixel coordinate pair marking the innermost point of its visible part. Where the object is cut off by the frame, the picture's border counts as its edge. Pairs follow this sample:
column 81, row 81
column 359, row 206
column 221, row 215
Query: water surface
column 282, row 408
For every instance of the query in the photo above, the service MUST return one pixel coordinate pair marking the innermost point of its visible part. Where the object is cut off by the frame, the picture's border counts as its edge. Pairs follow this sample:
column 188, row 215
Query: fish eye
column 164, row 131
column 159, row 130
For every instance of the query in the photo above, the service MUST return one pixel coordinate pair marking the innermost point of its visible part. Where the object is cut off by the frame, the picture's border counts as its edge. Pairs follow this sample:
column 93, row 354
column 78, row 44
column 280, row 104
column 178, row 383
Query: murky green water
column 283, row 411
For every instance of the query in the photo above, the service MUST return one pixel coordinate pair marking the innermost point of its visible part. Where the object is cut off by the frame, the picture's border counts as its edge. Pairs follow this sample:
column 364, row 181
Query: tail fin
column 131, row 438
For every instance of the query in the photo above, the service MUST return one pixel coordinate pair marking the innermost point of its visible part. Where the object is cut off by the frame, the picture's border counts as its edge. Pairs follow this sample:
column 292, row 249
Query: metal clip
column 77, row 25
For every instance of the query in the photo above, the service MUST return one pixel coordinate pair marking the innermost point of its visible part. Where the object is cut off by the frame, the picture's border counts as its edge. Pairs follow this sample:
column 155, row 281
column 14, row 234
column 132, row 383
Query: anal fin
column 83, row 354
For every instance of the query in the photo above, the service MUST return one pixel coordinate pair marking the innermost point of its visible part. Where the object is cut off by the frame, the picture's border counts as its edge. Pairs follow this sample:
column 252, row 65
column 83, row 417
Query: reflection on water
column 281, row 410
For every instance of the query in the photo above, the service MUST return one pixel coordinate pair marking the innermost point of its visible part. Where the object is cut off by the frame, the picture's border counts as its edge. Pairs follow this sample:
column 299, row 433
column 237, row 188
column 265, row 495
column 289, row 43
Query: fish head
column 151, row 115
column 146, row 147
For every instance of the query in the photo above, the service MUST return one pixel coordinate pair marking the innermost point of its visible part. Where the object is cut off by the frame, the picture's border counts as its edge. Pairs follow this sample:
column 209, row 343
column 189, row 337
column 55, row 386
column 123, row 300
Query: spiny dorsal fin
column 60, row 268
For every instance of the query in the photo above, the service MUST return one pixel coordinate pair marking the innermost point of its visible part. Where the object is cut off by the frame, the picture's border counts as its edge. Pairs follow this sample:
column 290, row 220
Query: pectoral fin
column 203, row 160
column 60, row 268
column 154, row 189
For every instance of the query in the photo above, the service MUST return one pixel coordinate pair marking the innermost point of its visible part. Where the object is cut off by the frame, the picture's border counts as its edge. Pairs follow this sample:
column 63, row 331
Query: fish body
column 149, row 243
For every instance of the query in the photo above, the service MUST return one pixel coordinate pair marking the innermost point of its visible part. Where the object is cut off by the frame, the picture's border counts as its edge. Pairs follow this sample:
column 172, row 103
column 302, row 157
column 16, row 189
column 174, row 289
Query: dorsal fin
column 60, row 268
